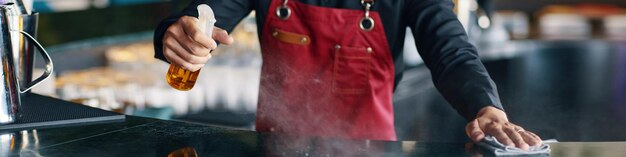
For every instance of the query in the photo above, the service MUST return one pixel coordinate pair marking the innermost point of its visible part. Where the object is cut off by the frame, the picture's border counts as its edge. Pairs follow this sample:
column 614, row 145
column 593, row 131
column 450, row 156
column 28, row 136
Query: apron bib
column 326, row 72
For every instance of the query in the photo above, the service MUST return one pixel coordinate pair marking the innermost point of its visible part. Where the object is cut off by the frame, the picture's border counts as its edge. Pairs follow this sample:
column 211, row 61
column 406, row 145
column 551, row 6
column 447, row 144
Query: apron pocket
column 352, row 70
column 292, row 38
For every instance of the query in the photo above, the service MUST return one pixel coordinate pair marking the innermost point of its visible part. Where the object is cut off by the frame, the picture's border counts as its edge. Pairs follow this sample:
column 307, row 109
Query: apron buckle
column 367, row 23
column 283, row 12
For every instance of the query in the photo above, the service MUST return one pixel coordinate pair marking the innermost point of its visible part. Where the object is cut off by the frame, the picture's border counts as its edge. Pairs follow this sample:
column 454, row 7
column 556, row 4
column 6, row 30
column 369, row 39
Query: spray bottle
column 180, row 78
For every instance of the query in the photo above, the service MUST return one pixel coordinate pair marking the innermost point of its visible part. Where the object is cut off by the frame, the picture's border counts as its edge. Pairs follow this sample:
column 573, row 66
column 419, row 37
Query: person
column 330, row 67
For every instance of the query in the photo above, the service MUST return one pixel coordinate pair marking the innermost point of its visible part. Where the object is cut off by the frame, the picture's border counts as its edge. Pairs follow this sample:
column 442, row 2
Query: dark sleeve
column 456, row 69
column 228, row 14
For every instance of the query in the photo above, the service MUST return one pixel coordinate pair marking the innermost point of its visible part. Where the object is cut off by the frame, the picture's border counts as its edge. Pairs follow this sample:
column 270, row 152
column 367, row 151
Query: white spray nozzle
column 206, row 19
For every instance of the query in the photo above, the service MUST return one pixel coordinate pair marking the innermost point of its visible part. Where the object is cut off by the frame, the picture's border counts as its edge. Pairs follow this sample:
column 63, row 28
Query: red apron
column 323, row 75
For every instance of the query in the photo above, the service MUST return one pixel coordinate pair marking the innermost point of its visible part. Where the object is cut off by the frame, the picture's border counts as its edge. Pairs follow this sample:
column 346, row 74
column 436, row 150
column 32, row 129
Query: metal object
column 367, row 23
column 21, row 6
column 24, row 54
column 10, row 97
column 283, row 12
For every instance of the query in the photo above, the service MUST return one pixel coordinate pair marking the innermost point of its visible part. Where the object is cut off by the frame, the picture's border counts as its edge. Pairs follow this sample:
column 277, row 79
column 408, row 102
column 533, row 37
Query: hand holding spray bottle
column 180, row 78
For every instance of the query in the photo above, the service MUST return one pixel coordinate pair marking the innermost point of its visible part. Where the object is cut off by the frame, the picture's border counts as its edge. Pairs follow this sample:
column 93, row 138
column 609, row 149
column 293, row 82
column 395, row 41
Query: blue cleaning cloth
column 492, row 144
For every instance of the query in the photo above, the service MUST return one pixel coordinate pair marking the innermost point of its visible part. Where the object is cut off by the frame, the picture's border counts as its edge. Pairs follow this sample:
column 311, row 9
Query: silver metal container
column 9, row 84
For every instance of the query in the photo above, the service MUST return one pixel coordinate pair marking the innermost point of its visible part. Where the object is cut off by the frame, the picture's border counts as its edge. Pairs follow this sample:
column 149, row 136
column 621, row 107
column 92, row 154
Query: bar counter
column 150, row 137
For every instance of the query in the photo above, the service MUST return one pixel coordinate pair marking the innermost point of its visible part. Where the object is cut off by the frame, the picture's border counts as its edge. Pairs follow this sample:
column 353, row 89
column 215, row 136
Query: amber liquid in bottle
column 180, row 78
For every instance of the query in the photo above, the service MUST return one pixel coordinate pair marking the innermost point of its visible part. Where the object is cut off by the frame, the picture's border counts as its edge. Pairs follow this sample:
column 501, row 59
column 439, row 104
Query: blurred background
column 560, row 66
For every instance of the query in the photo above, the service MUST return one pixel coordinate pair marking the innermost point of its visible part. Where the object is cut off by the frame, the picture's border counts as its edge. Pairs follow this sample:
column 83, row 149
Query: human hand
column 184, row 44
column 493, row 121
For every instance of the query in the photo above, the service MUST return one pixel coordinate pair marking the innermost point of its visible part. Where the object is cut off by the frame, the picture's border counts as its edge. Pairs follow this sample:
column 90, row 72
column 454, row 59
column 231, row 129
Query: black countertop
column 149, row 137
column 575, row 95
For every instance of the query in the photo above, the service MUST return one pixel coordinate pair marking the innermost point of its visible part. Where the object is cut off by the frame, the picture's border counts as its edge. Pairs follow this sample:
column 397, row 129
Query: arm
column 458, row 73
column 175, row 30
column 456, row 68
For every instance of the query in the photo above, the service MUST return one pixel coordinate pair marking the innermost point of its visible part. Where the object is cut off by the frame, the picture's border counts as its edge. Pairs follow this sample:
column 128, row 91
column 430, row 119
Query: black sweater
column 456, row 69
